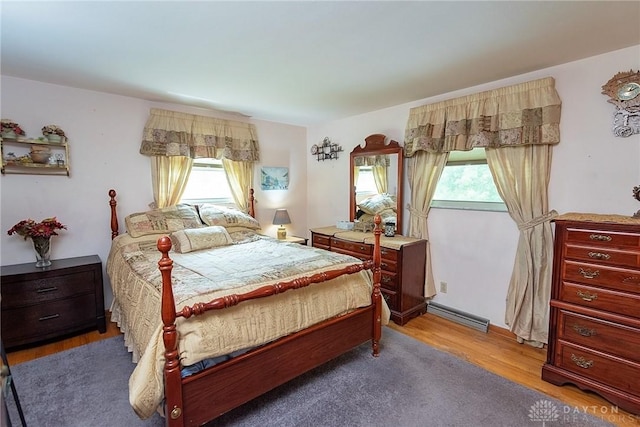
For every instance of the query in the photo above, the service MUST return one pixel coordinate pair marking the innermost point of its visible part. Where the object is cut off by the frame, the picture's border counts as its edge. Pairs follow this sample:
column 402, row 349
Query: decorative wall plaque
column 624, row 92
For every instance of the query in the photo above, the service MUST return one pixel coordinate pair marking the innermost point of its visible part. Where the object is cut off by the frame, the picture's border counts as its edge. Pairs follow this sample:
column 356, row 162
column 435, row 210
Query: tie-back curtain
column 171, row 133
column 523, row 114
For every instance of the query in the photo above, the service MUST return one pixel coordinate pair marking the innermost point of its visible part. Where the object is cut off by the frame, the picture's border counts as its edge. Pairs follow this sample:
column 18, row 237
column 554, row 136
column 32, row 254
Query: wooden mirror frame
column 375, row 146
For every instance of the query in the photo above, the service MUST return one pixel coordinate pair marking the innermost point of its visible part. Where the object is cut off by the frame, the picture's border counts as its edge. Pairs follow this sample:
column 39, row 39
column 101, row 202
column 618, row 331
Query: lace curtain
column 518, row 126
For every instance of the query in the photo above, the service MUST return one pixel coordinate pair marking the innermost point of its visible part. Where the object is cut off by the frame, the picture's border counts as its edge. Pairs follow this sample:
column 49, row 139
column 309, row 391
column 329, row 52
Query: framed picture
column 274, row 178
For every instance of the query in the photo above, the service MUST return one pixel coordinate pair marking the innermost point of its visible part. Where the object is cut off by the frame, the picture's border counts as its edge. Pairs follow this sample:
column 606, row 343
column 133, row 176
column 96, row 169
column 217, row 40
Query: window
column 466, row 183
column 366, row 185
column 207, row 183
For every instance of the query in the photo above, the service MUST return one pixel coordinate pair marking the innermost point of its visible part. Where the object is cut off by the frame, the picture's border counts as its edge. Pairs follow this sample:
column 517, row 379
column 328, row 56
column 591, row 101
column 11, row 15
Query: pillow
column 162, row 221
column 195, row 239
column 375, row 204
column 226, row 217
column 386, row 215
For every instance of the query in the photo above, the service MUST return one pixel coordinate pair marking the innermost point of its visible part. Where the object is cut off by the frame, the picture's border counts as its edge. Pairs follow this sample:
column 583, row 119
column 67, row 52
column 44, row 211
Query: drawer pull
column 589, row 274
column 384, row 265
column 631, row 279
column 600, row 237
column 43, row 290
column 599, row 255
column 587, row 296
column 362, row 248
column 51, row 316
column 386, row 279
column 383, row 252
column 585, row 332
column 581, row 361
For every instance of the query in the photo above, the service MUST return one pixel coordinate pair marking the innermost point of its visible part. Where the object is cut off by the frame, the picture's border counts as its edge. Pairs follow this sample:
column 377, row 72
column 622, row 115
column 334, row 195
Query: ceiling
column 301, row 62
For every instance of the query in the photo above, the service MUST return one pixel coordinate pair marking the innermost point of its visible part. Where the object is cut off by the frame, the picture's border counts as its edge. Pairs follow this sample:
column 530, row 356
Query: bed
column 208, row 336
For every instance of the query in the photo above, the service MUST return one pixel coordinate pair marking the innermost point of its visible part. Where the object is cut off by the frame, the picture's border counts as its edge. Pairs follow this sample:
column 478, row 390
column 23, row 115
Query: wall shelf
column 16, row 157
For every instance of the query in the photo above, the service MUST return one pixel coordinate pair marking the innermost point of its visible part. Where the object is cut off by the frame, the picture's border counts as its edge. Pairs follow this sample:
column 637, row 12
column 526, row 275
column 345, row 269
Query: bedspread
column 252, row 261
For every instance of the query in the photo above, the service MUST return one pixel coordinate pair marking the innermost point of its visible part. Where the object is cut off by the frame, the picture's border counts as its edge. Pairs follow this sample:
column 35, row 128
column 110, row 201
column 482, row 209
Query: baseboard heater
column 458, row 316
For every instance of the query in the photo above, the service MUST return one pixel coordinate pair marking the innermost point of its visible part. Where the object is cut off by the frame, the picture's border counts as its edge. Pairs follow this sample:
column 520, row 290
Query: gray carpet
column 410, row 384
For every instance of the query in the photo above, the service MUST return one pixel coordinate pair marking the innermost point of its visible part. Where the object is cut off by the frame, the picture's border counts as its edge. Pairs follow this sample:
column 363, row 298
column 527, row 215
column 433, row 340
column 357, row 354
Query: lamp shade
column 281, row 217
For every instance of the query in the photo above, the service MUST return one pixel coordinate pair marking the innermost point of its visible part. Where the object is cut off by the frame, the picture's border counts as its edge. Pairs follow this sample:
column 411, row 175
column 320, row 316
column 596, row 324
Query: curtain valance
column 382, row 160
column 171, row 133
column 523, row 114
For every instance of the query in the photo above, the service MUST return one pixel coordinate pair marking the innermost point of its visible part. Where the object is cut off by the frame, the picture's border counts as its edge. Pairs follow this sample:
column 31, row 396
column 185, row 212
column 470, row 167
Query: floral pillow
column 163, row 220
column 376, row 204
column 226, row 217
column 195, row 239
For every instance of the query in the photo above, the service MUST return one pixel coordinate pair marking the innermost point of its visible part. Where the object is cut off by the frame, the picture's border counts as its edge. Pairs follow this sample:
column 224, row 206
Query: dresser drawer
column 613, row 371
column 390, row 255
column 620, row 279
column 389, row 281
column 599, row 334
column 601, row 299
column 603, row 238
column 46, row 289
column 48, row 320
column 391, row 298
column 603, row 255
column 321, row 241
column 352, row 247
column 387, row 265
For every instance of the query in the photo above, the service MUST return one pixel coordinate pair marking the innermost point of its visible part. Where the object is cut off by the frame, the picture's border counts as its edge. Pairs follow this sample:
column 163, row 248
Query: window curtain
column 173, row 139
column 514, row 124
column 424, row 170
column 239, row 177
column 379, row 169
column 169, row 176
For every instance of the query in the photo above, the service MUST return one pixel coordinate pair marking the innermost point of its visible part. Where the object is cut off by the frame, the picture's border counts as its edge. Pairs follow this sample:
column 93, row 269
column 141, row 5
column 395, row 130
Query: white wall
column 592, row 171
column 104, row 133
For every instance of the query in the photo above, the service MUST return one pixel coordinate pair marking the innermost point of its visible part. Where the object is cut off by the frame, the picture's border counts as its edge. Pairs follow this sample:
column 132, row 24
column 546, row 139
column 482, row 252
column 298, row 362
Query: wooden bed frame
column 204, row 396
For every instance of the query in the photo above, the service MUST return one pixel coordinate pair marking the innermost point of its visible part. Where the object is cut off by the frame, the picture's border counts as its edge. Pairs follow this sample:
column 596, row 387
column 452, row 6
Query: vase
column 42, row 246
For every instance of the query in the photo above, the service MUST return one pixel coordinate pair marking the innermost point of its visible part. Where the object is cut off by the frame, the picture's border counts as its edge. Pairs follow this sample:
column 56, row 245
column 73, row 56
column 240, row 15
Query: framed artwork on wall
column 273, row 178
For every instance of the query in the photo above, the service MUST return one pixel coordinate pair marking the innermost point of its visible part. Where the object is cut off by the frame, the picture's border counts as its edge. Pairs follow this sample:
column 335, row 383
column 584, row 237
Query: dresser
column 403, row 262
column 45, row 303
column 594, row 325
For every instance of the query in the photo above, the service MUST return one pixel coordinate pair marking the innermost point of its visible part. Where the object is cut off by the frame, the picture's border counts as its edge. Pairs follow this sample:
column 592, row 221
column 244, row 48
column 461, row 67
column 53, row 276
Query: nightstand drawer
column 47, row 289
column 48, row 320
column 389, row 254
column 389, row 281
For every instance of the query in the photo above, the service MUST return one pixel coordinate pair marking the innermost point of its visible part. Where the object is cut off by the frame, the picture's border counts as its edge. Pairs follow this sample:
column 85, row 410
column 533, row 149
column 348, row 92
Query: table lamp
column 281, row 217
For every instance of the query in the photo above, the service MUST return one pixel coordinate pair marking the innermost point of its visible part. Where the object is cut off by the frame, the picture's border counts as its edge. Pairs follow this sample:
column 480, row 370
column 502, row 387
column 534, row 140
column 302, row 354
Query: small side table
column 295, row 239
column 44, row 303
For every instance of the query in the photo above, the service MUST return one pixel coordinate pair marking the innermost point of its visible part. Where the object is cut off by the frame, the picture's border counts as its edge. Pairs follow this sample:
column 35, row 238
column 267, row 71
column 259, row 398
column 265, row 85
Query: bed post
column 172, row 378
column 114, row 215
column 252, row 208
column 376, row 296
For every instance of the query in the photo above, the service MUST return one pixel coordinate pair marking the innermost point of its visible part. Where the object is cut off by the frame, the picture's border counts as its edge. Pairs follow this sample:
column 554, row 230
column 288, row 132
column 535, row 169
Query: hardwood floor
column 496, row 351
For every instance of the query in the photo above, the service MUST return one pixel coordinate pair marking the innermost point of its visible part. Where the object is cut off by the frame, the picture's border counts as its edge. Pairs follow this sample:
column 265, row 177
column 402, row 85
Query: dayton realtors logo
column 546, row 411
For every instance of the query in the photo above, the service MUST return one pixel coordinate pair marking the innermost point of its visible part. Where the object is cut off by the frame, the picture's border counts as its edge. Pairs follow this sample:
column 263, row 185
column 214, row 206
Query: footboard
column 208, row 394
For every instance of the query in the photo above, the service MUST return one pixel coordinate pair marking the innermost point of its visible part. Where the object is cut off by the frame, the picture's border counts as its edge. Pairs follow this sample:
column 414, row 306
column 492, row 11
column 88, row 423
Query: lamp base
column 282, row 233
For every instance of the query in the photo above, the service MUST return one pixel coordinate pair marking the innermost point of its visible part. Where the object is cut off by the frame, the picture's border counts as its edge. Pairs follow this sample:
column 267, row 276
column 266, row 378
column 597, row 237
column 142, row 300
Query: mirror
column 376, row 169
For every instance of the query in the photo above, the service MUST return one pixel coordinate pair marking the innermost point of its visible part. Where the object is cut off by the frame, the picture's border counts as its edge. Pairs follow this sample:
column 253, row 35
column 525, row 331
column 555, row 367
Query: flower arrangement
column 29, row 228
column 52, row 130
column 8, row 125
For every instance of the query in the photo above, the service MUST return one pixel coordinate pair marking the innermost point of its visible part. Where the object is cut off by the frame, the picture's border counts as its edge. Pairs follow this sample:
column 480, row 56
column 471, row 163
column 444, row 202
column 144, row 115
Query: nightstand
column 295, row 239
column 45, row 303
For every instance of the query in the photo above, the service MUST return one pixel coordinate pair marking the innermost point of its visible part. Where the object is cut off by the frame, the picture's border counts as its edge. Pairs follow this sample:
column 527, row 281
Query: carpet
column 410, row 384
